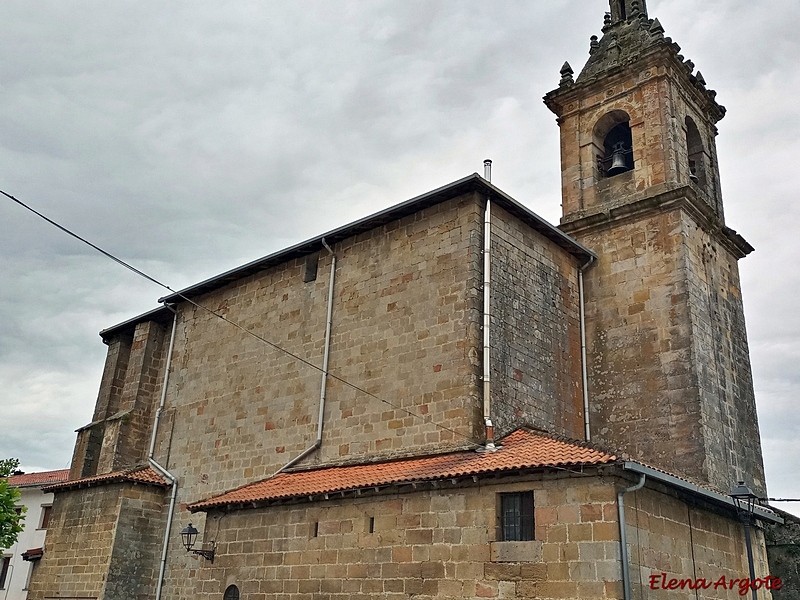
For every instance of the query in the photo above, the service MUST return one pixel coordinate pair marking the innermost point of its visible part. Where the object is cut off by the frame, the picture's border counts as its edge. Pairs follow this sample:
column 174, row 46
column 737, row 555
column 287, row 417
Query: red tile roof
column 520, row 450
column 144, row 475
column 38, row 479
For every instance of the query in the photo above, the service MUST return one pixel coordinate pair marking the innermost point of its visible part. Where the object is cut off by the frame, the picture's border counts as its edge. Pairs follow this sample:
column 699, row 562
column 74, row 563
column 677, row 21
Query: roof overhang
column 471, row 183
column 696, row 490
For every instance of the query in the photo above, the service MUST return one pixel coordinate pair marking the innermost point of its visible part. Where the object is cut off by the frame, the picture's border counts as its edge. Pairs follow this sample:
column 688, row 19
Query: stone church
column 450, row 398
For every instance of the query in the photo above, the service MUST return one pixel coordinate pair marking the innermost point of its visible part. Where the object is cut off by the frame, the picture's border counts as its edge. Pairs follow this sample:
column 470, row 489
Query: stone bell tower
column 669, row 367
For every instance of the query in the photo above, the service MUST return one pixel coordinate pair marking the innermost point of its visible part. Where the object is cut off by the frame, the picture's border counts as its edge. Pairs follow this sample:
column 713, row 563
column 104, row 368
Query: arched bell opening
column 613, row 144
column 696, row 154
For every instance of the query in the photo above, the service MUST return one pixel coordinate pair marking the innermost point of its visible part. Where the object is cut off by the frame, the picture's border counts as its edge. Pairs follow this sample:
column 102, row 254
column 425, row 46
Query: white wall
column 31, row 537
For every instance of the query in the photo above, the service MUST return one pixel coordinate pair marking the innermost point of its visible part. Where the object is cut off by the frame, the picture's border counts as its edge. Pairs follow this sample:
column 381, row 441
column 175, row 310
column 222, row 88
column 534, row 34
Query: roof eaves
column 136, row 475
column 524, row 453
column 688, row 486
column 470, row 183
column 161, row 313
column 38, row 479
column 473, row 182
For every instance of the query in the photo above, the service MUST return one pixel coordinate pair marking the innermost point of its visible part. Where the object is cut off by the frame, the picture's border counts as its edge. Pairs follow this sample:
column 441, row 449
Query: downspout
column 584, row 368
column 324, row 384
column 623, row 538
column 169, row 476
column 489, row 445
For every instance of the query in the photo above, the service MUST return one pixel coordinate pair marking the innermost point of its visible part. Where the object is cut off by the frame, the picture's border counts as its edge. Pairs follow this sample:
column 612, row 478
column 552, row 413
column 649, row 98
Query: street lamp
column 188, row 537
column 745, row 501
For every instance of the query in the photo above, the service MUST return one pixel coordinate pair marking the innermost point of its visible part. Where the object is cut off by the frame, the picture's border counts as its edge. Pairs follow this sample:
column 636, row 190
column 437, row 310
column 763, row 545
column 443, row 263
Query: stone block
column 518, row 552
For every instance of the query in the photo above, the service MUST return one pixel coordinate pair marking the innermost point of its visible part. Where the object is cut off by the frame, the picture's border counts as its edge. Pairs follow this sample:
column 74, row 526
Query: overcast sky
column 190, row 137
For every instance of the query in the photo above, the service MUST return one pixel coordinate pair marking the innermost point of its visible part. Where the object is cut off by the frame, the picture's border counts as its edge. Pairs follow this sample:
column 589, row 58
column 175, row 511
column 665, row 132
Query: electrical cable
column 220, row 316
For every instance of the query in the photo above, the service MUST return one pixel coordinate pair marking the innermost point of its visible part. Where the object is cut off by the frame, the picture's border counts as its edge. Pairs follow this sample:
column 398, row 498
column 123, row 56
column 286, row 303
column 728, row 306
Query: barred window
column 516, row 516
column 231, row 593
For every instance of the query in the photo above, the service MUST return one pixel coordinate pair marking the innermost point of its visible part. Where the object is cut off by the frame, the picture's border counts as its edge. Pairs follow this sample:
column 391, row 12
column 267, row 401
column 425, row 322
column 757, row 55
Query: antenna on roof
column 487, row 169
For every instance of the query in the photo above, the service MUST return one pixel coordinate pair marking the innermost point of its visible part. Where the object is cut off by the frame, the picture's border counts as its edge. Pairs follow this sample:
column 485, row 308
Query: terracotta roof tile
column 144, row 475
column 40, row 478
column 520, row 450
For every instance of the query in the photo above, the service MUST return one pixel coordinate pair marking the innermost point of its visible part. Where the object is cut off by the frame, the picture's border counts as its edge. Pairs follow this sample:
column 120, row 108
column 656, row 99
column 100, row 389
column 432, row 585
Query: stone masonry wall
column 79, row 542
column 90, row 438
column 536, row 353
column 103, row 542
column 642, row 384
column 403, row 331
column 669, row 369
column 729, row 419
column 653, row 97
column 428, row 544
column 685, row 541
column 138, row 539
column 442, row 543
column 119, row 434
column 783, row 550
column 141, row 393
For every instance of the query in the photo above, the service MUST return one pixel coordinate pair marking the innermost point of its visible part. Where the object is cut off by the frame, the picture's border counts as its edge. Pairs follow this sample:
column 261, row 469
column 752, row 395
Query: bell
column 618, row 164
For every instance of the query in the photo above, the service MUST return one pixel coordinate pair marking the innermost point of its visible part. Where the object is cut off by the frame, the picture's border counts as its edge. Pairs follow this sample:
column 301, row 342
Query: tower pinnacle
column 625, row 10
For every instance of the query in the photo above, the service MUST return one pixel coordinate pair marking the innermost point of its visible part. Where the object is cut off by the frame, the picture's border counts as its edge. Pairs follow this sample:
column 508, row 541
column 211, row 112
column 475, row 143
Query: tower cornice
column 684, row 198
column 659, row 60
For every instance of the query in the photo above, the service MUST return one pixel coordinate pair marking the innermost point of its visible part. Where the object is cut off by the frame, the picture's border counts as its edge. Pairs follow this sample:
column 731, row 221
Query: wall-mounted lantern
column 189, row 536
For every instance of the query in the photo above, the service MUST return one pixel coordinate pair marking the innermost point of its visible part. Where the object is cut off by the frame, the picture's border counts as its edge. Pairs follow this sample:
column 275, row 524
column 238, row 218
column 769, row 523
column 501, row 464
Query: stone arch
column 612, row 136
column 231, row 593
column 696, row 153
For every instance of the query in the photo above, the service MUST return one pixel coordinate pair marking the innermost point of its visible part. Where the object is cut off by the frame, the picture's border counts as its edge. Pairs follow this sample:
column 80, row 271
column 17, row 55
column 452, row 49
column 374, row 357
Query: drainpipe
column 489, row 445
column 584, row 369
column 166, row 474
column 324, row 384
column 623, row 538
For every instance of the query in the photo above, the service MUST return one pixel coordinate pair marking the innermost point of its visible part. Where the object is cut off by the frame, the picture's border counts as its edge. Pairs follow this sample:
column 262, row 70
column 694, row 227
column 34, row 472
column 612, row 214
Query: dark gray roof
column 471, row 183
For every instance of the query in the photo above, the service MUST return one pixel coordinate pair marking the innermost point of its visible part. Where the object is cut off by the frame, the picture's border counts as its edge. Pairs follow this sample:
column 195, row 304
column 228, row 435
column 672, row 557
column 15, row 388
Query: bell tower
column 669, row 367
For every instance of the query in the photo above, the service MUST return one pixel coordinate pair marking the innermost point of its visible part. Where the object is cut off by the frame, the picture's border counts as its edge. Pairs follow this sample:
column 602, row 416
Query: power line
column 235, row 324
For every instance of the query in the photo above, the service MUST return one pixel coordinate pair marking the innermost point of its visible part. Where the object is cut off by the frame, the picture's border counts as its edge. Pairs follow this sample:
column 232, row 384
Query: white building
column 17, row 563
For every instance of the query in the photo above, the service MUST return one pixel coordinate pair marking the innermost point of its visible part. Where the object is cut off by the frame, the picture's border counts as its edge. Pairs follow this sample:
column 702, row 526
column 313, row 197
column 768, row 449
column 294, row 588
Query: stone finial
column 700, row 79
column 566, row 75
column 636, row 8
column 656, row 30
column 606, row 21
column 593, row 45
column 689, row 65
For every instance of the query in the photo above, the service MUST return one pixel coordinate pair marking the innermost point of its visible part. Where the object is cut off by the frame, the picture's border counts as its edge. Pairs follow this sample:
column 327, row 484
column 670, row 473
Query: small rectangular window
column 46, row 512
column 312, row 263
column 516, row 516
column 4, row 562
